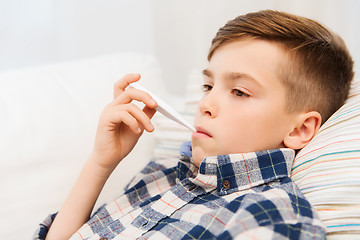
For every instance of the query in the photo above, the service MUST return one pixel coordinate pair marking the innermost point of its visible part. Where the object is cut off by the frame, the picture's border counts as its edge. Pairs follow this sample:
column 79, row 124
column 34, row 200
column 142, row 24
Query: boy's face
column 243, row 107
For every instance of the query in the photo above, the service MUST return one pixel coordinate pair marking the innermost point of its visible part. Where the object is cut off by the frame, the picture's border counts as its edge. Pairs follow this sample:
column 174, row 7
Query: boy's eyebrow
column 207, row 73
column 233, row 76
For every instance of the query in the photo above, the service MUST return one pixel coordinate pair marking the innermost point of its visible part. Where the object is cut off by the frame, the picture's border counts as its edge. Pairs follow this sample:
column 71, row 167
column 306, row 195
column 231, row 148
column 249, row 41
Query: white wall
column 178, row 32
column 48, row 31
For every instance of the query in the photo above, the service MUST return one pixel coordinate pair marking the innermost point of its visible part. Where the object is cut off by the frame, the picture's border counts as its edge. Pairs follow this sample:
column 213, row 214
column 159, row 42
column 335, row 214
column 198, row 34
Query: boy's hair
column 319, row 68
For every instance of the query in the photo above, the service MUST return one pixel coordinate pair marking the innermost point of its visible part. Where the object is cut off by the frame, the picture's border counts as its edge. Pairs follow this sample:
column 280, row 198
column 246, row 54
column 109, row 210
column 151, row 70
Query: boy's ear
column 305, row 129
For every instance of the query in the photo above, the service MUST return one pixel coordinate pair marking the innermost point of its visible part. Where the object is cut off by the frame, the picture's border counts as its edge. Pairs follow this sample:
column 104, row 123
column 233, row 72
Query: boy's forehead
column 234, row 76
column 255, row 60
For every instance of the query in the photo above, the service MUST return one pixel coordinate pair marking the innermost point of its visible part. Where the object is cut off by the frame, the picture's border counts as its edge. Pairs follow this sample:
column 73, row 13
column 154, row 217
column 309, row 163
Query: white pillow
column 327, row 170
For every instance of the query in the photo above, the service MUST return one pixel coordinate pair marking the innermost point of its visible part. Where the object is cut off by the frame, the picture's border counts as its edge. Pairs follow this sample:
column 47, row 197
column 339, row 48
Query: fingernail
column 138, row 130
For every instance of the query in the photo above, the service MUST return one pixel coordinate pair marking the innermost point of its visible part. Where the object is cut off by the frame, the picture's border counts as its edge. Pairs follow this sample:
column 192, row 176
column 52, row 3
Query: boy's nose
column 208, row 105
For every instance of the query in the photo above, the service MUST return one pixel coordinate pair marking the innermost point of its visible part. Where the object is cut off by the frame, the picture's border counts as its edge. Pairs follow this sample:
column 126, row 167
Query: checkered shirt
column 237, row 196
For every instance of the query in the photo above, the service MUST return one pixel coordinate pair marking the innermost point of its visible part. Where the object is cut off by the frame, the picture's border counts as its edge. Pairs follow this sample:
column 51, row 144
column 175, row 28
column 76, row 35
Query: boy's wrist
column 97, row 167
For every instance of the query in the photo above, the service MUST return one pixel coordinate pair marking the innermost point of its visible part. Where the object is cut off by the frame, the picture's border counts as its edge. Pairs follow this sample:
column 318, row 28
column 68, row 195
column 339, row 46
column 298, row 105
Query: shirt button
column 226, row 184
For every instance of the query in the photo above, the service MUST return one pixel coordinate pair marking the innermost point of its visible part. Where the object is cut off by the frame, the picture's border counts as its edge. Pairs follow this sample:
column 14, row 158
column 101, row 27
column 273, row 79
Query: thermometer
column 164, row 108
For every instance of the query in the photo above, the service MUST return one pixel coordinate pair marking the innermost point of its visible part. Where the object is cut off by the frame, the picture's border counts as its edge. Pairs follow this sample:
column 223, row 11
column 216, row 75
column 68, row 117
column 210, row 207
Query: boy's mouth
column 201, row 132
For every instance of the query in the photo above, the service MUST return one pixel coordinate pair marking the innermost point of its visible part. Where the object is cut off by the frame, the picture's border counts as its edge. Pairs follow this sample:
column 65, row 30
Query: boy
column 272, row 79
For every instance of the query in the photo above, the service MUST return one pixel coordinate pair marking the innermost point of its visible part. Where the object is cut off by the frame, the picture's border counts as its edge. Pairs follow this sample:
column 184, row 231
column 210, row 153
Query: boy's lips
column 201, row 132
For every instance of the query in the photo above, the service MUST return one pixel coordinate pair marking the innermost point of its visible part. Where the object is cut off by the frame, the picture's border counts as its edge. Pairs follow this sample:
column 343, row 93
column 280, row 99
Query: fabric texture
column 228, row 196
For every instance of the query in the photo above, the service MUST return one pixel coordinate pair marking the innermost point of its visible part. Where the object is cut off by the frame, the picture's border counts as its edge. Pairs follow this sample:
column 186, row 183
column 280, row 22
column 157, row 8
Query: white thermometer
column 164, row 108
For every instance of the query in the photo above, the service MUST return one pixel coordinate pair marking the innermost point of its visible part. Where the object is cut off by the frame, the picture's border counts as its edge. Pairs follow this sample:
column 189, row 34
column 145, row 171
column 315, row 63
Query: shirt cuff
column 44, row 227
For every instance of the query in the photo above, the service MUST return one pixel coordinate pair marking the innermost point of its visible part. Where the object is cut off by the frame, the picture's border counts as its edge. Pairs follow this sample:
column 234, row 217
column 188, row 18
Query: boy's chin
column 197, row 156
column 196, row 161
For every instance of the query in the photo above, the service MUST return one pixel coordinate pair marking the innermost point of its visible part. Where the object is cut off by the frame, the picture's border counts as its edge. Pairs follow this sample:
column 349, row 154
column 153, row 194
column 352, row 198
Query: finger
column 134, row 94
column 150, row 112
column 124, row 117
column 142, row 119
column 121, row 85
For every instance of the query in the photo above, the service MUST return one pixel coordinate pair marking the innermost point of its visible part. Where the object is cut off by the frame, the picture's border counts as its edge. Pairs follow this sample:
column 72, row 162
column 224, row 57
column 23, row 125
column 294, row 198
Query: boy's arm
column 120, row 126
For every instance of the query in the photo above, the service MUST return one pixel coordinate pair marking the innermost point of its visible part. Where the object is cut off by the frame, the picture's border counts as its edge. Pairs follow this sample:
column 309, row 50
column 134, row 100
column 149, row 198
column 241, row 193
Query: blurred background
column 177, row 33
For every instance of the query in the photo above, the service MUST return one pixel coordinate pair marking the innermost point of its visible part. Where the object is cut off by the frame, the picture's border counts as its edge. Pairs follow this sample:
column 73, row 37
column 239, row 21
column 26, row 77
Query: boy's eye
column 207, row 87
column 240, row 93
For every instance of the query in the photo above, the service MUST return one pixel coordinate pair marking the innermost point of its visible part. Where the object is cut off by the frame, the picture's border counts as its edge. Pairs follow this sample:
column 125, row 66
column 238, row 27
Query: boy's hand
column 122, row 123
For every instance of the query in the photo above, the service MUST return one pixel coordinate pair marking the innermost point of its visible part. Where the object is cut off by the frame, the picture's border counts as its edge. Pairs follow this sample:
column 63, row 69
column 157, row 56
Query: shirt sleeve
column 157, row 164
column 43, row 229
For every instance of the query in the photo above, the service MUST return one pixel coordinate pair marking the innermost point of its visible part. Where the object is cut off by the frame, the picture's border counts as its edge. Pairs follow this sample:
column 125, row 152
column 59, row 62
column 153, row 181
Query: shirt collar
column 235, row 172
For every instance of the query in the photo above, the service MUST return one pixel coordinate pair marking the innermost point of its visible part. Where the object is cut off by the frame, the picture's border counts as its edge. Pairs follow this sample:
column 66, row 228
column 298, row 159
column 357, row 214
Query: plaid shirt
column 246, row 196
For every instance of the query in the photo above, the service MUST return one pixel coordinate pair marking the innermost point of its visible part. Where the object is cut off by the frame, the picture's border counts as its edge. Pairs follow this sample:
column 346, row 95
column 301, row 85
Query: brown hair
column 318, row 74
